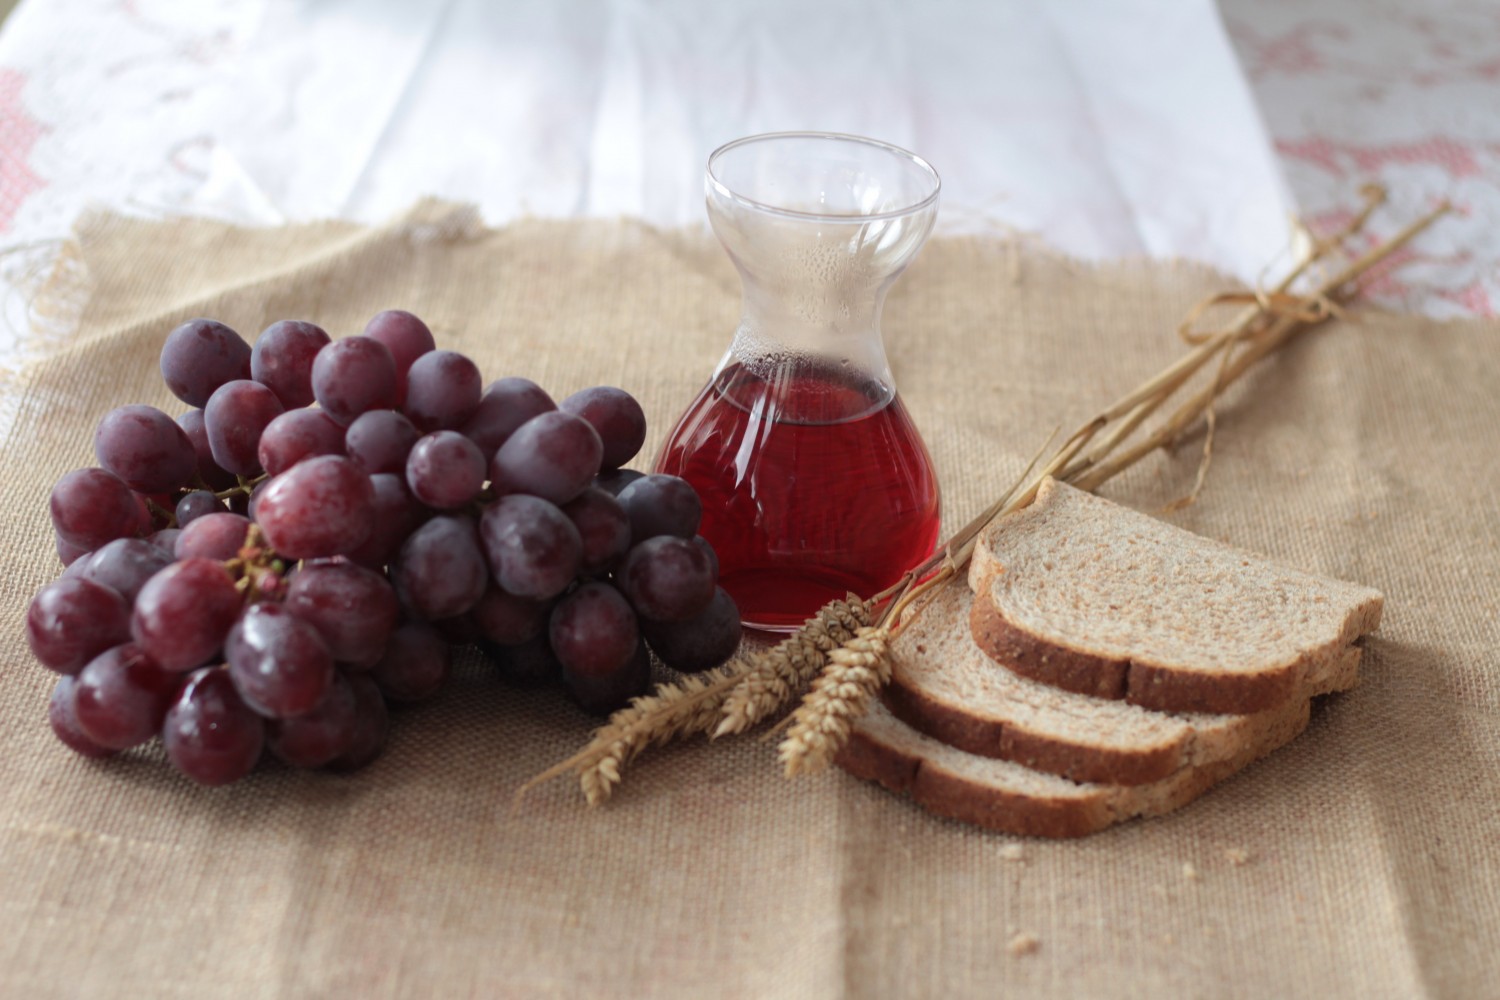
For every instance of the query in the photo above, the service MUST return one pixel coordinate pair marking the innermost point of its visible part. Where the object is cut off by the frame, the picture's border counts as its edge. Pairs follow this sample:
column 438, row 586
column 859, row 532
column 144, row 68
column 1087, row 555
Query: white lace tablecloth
column 1106, row 129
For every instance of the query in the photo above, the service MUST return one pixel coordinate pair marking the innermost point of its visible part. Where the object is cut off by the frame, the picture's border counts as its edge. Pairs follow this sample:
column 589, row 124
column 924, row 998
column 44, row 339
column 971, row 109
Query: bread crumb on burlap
column 1013, row 852
column 1190, row 871
column 1024, row 944
column 1236, row 856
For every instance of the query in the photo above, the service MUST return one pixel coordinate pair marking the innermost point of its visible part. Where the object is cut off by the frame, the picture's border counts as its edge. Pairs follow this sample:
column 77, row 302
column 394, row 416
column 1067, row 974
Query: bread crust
column 993, row 738
column 1162, row 689
column 957, row 798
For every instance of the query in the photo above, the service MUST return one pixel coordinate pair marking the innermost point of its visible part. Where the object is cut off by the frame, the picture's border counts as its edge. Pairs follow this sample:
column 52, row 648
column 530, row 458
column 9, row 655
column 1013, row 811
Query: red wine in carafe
column 814, row 483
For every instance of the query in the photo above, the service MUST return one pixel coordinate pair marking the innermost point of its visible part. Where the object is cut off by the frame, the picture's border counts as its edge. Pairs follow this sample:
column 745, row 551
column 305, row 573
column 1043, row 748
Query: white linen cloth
column 1104, row 128
column 1107, row 129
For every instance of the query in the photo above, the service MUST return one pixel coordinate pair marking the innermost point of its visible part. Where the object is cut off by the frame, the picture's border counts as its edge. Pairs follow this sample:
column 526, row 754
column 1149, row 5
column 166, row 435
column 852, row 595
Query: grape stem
column 243, row 488
column 158, row 511
column 259, row 573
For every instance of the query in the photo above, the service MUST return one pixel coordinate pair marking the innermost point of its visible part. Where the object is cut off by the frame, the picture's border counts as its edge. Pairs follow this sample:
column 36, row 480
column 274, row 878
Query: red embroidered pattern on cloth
column 1376, row 90
column 18, row 134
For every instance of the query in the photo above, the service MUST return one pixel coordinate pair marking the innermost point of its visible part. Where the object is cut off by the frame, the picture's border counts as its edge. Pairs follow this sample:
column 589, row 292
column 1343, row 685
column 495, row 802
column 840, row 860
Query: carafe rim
column 728, row 193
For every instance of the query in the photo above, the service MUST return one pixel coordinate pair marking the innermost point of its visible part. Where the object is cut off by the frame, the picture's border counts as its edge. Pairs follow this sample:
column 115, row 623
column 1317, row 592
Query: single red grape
column 353, row 376
column 236, row 415
column 442, row 390
column 617, row 417
column 282, row 360
column 661, row 505
column 217, row 536
column 668, row 579
column 445, row 470
column 122, row 697
column 195, row 505
column 705, row 640
column 210, row 734
column 604, row 527
column 91, row 508
column 353, row 609
column 72, row 620
column 145, row 448
column 533, row 549
column 405, row 336
column 380, row 440
column 553, row 456
column 124, row 566
column 278, row 662
column 320, row 507
column 65, row 724
column 593, row 631
column 371, row 726
column 295, row 435
column 184, row 612
column 440, row 571
column 201, row 355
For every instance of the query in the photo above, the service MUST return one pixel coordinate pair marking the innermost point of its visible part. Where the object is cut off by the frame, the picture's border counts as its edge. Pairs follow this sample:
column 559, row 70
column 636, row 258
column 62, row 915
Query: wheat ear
column 679, row 708
column 856, row 671
column 780, row 674
column 695, row 705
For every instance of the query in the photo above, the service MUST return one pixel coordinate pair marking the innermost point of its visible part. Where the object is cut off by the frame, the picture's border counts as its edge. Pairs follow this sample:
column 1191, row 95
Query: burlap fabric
column 1371, row 863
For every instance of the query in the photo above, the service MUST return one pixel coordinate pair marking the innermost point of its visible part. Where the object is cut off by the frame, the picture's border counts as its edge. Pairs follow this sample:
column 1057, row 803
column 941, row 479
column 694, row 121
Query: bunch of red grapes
column 262, row 573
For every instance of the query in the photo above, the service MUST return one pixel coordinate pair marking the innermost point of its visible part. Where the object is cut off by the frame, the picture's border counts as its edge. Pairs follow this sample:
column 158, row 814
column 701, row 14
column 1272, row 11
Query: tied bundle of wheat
column 841, row 657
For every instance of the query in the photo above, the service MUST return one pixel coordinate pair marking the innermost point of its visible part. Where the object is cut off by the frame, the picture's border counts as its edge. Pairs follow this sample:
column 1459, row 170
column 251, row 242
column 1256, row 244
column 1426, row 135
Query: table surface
column 1144, row 127
column 1150, row 127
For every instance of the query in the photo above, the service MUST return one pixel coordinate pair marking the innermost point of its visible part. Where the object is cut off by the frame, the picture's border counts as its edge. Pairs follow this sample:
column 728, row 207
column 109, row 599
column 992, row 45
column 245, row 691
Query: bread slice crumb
column 1013, row 852
column 1236, row 856
column 1023, row 944
column 1190, row 871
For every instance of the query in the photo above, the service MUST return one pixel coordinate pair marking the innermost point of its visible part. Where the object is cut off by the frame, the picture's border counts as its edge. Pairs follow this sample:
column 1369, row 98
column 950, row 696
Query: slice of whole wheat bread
column 945, row 686
column 1086, row 595
column 1003, row 795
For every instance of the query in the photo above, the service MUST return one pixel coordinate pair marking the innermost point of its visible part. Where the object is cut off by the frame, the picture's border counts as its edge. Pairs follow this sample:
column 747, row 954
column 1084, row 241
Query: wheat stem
column 1273, row 338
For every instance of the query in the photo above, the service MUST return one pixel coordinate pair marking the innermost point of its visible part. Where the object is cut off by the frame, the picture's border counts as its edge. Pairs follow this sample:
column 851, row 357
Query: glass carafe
column 813, row 478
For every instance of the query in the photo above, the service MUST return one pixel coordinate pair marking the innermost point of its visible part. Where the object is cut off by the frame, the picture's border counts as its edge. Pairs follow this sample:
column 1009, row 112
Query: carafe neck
column 783, row 321
column 814, row 290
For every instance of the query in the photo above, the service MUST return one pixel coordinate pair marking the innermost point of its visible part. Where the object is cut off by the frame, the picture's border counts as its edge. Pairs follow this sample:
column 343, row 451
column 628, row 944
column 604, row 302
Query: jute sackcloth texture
column 1363, row 860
